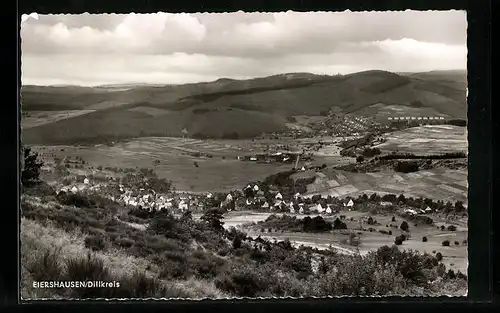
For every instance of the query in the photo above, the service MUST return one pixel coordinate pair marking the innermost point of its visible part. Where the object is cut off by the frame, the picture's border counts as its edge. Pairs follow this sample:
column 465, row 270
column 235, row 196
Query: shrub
column 451, row 228
column 404, row 226
column 451, row 274
column 446, row 243
column 338, row 224
column 393, row 219
column 140, row 213
column 457, row 243
column 30, row 174
column 95, row 243
column 406, row 167
column 46, row 267
column 141, row 286
column 75, row 199
column 243, row 281
column 237, row 242
column 439, row 256
column 441, row 270
column 443, row 228
column 398, row 241
column 360, row 158
column 213, row 218
column 424, row 239
column 90, row 268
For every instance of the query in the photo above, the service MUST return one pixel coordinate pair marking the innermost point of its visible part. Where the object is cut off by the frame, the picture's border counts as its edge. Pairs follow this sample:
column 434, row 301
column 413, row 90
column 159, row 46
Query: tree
column 338, row 224
column 236, row 242
column 30, row 174
column 213, row 218
column 360, row 159
column 404, row 226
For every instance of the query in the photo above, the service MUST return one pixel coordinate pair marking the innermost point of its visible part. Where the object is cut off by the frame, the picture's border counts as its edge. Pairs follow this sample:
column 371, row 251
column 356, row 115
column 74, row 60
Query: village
column 251, row 198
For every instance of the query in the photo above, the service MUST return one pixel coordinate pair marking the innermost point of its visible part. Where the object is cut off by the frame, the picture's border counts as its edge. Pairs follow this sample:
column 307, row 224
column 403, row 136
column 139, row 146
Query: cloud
column 182, row 47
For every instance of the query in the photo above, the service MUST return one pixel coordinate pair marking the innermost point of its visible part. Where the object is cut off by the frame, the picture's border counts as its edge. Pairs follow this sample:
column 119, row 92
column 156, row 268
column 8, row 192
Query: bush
column 46, row 267
column 393, row 219
column 95, row 243
column 90, row 268
column 404, row 226
column 75, row 199
column 424, row 239
column 446, row 243
column 451, row 228
column 243, row 281
column 457, row 243
column 406, row 167
column 398, row 241
column 237, row 242
column 360, row 158
column 443, row 228
column 338, row 224
column 141, row 286
column 439, row 256
column 30, row 174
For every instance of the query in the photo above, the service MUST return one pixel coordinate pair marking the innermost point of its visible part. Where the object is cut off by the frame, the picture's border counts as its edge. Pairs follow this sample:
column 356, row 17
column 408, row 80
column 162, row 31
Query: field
column 426, row 140
column 439, row 184
column 37, row 118
column 176, row 158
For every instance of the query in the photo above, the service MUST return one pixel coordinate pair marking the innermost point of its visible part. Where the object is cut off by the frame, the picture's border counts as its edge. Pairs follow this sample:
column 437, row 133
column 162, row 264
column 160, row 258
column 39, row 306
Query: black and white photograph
column 243, row 155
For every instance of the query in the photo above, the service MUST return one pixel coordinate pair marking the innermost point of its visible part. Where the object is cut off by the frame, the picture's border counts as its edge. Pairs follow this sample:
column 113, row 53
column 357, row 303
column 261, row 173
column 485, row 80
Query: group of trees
column 30, row 167
column 406, row 167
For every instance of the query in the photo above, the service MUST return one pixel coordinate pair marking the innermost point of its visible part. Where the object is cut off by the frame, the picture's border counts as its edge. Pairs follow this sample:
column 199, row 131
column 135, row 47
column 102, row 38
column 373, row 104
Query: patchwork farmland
column 427, row 140
column 442, row 184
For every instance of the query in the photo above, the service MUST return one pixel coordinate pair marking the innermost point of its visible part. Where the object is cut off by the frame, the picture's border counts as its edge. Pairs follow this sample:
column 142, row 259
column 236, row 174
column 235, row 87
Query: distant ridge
column 229, row 108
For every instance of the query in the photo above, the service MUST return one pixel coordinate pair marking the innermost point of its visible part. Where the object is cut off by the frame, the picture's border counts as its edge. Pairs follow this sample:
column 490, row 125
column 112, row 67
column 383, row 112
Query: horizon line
column 110, row 85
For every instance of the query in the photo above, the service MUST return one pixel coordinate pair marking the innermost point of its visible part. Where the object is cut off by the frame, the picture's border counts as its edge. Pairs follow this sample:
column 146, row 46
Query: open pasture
column 439, row 184
column 176, row 161
column 426, row 140
column 36, row 118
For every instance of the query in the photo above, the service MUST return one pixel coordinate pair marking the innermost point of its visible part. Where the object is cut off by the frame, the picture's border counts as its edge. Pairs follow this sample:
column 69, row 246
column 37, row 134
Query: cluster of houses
column 296, row 205
column 345, row 125
column 277, row 157
column 251, row 198
column 140, row 198
column 421, row 211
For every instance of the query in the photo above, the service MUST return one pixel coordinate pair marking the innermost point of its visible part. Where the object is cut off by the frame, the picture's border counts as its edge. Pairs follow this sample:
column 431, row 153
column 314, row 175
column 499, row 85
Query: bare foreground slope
column 290, row 185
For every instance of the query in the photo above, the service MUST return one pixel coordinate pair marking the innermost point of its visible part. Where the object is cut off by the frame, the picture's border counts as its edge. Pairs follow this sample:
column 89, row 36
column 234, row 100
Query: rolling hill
column 233, row 108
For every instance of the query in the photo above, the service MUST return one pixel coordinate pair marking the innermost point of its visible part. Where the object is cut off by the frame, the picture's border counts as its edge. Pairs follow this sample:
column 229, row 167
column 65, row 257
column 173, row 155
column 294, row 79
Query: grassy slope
column 233, row 106
column 37, row 239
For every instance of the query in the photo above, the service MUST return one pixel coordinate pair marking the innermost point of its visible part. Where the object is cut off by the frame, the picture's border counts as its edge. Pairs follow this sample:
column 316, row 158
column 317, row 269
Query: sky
column 163, row 48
